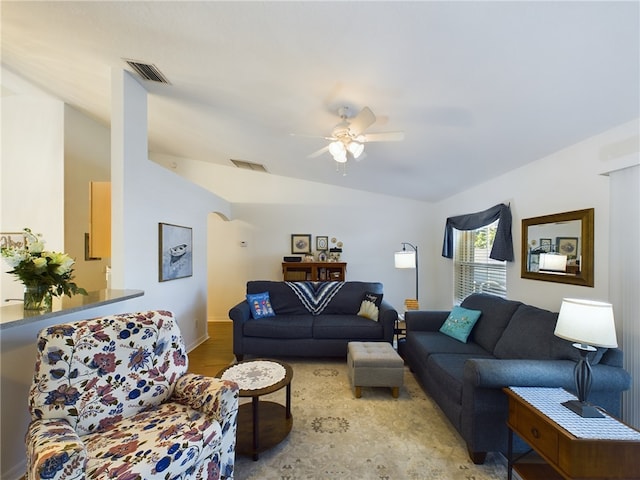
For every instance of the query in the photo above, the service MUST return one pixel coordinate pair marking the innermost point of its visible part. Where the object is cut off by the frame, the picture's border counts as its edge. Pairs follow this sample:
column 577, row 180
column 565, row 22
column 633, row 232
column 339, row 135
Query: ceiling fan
column 348, row 136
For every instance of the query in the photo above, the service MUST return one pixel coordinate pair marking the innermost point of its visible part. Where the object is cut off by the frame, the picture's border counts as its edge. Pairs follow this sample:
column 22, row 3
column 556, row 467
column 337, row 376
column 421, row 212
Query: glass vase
column 37, row 298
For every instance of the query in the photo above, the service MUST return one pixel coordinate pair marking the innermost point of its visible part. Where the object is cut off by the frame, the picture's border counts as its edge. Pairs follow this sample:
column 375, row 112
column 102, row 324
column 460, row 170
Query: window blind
column 474, row 271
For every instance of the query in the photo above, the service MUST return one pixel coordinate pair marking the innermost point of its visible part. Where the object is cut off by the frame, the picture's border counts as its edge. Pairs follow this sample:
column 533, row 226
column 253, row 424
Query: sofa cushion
column 370, row 306
column 260, row 305
column 346, row 326
column 280, row 326
column 428, row 343
column 459, row 323
column 496, row 313
column 529, row 335
column 283, row 300
column 349, row 297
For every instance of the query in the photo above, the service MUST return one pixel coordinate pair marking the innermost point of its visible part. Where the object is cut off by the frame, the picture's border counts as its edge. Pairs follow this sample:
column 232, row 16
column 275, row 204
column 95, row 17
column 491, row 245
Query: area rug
column 377, row 437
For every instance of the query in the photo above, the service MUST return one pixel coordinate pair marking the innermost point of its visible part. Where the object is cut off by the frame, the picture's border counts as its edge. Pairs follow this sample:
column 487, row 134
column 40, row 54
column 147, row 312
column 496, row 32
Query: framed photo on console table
column 322, row 243
column 175, row 253
column 300, row 243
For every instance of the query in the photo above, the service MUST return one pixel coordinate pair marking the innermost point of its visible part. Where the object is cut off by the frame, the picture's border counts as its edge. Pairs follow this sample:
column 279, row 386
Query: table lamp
column 590, row 324
column 408, row 259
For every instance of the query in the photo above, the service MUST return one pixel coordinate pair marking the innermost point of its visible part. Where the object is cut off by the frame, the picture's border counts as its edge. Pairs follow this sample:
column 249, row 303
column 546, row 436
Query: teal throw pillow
column 260, row 305
column 460, row 322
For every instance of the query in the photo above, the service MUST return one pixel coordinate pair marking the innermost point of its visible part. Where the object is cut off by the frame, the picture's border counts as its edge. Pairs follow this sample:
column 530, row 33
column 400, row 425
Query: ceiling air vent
column 256, row 167
column 147, row 71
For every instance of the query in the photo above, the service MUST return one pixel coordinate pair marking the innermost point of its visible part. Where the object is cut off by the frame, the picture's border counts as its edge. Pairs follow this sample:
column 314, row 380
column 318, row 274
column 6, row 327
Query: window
column 474, row 271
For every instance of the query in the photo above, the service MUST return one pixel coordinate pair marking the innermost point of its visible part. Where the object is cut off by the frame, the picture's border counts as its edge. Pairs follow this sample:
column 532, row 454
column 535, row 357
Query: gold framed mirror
column 559, row 248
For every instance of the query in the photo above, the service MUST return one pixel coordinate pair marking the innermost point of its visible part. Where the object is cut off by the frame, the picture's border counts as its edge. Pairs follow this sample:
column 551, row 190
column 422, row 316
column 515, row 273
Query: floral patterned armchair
column 111, row 399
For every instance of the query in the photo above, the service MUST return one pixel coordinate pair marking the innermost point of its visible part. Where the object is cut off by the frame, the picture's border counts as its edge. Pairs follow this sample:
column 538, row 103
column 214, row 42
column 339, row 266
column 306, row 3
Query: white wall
column 143, row 195
column 268, row 209
column 563, row 181
column 31, row 169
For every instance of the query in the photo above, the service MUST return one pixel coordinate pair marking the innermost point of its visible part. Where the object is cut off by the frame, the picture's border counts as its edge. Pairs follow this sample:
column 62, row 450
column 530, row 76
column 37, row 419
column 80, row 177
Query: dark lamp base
column 583, row 409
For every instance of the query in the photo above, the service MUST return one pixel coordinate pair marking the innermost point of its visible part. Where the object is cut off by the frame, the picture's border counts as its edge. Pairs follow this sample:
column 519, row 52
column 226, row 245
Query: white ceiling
column 479, row 88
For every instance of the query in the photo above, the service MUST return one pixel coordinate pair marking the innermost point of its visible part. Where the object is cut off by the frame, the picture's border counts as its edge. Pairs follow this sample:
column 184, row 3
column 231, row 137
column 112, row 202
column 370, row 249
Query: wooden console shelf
column 314, row 271
column 568, row 446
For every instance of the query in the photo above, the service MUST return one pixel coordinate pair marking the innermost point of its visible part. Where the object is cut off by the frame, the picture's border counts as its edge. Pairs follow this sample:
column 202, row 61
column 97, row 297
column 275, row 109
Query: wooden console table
column 570, row 447
column 314, row 271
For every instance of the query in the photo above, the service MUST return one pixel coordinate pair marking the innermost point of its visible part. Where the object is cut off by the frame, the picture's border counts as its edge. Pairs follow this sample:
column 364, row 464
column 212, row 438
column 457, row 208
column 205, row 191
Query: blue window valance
column 502, row 244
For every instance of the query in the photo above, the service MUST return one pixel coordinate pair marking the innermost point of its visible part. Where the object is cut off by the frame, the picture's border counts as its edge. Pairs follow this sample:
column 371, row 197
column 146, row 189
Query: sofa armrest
column 387, row 316
column 425, row 320
column 54, row 450
column 239, row 315
column 240, row 312
column 612, row 357
column 213, row 396
column 499, row 373
column 219, row 399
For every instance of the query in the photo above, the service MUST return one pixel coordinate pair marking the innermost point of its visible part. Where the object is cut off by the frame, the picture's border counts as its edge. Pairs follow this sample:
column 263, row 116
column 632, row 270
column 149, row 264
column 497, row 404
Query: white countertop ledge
column 14, row 315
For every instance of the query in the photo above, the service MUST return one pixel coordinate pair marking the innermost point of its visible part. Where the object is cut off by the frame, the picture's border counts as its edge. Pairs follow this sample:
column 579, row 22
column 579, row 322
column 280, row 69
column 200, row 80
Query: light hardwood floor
column 215, row 353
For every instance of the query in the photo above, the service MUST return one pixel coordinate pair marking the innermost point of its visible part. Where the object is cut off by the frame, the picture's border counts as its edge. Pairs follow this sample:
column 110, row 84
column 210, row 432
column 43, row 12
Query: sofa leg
column 477, row 457
column 239, row 357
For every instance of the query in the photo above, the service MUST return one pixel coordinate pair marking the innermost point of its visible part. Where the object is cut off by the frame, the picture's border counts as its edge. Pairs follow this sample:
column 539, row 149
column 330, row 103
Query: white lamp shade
column 587, row 322
column 356, row 149
column 342, row 158
column 405, row 259
column 337, row 148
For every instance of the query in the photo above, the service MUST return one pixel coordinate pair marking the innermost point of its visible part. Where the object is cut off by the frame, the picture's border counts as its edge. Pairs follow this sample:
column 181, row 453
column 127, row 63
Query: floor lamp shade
column 405, row 259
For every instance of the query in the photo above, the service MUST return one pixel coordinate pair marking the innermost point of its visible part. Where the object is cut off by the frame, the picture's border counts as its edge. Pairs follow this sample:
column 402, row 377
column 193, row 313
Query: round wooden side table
column 261, row 424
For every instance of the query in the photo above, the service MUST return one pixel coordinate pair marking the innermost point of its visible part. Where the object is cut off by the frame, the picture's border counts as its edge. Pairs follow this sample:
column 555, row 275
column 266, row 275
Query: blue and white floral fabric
column 111, row 399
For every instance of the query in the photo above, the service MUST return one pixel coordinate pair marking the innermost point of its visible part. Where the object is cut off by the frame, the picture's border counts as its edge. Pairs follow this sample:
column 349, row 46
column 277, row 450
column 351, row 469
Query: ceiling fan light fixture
column 355, row 148
column 337, row 148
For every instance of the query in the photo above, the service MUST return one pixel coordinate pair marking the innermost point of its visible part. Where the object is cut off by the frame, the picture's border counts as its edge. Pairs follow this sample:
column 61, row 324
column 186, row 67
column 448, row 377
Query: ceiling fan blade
column 317, row 153
column 311, row 136
column 382, row 137
column 362, row 121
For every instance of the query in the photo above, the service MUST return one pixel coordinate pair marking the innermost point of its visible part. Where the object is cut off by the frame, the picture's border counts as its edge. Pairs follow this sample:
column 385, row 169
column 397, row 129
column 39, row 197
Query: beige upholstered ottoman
column 374, row 364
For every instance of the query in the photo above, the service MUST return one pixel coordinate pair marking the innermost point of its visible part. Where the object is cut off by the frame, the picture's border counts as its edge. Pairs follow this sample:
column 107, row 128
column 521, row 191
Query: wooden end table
column 570, row 447
column 261, row 424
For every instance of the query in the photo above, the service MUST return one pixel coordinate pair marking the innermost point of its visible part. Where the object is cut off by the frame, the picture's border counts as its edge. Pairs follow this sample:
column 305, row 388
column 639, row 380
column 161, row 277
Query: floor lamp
column 408, row 259
column 589, row 324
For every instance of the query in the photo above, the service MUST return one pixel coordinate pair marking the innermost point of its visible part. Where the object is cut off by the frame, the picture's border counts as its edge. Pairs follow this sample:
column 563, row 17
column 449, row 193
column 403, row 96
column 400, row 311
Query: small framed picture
column 300, row 243
column 174, row 252
column 545, row 244
column 322, row 243
column 567, row 246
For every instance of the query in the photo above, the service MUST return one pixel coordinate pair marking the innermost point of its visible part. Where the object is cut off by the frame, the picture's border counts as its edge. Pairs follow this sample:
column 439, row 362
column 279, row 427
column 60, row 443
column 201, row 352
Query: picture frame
column 300, row 243
column 322, row 243
column 175, row 252
column 567, row 246
column 545, row 244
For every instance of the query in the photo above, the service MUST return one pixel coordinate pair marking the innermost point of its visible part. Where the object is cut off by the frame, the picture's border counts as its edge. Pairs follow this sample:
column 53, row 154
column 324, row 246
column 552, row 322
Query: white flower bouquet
column 36, row 267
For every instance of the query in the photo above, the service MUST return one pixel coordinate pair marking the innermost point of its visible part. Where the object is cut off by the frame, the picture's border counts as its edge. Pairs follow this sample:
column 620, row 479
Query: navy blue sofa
column 512, row 344
column 294, row 331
